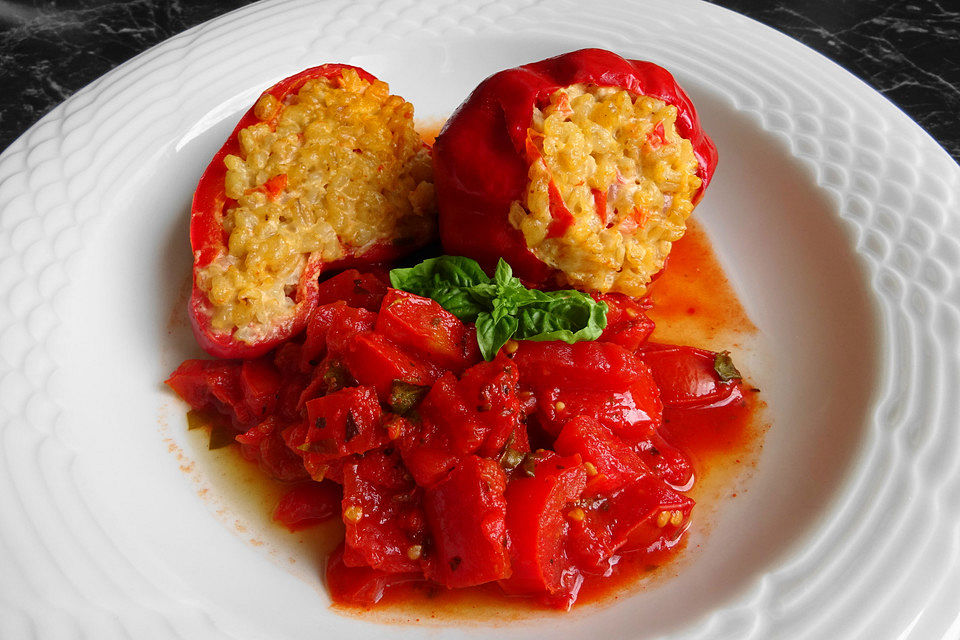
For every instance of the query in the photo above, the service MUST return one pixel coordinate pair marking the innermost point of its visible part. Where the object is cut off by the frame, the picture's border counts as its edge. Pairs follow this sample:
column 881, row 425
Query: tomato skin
column 537, row 526
column 686, row 376
column 466, row 514
column 343, row 423
column 308, row 504
column 377, row 362
column 424, row 327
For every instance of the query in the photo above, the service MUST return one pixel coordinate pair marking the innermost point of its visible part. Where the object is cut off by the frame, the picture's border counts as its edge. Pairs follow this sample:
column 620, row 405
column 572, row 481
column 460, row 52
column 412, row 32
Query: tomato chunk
column 537, row 526
column 332, row 325
column 625, row 505
column 627, row 322
column 385, row 527
column 621, row 394
column 686, row 377
column 260, row 382
column 422, row 325
column 264, row 444
column 590, row 366
column 346, row 422
column 308, row 504
column 214, row 384
column 375, row 361
column 478, row 412
column 466, row 513
column 360, row 290
column 360, row 586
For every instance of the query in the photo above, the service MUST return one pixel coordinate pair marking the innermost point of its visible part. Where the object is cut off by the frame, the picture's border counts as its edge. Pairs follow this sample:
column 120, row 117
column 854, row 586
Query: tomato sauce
column 693, row 304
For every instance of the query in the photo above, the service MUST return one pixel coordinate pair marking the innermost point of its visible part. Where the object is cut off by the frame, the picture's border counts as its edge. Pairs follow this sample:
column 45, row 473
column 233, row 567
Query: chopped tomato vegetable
column 308, row 504
column 388, row 418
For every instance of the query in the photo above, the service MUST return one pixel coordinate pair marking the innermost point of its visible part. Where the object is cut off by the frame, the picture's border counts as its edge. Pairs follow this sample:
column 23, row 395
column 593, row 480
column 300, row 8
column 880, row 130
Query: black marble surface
column 908, row 50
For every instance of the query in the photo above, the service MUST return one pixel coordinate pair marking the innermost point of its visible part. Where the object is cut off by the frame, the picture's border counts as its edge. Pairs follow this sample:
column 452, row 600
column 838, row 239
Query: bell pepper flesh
column 483, row 155
column 209, row 240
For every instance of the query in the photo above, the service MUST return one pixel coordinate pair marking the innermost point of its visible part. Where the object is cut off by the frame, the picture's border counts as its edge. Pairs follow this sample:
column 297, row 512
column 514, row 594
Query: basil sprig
column 502, row 307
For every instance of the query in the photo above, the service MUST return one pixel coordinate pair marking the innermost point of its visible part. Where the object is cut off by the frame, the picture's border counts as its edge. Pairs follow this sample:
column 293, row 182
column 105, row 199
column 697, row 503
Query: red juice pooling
column 554, row 473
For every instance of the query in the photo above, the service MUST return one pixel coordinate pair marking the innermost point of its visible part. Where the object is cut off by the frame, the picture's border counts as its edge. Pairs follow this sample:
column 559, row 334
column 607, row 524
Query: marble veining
column 909, row 50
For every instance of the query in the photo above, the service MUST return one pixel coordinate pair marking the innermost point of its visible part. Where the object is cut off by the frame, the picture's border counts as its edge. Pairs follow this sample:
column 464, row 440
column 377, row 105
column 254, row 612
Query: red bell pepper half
column 209, row 239
column 482, row 155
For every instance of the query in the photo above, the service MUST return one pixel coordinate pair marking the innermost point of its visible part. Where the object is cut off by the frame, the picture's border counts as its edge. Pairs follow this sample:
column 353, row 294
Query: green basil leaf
column 460, row 302
column 571, row 317
column 443, row 271
column 502, row 307
column 491, row 334
column 504, row 274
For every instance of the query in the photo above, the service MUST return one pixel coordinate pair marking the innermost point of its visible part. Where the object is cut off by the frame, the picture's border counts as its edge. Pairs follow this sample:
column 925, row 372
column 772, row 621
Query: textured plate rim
column 908, row 244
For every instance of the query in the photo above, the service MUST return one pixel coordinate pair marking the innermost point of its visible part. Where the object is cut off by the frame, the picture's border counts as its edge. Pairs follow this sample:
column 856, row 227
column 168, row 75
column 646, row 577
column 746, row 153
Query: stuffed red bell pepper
column 579, row 170
column 325, row 170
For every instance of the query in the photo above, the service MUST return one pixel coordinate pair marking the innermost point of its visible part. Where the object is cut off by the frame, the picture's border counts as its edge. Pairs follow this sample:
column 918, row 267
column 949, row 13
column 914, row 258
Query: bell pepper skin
column 481, row 157
column 209, row 240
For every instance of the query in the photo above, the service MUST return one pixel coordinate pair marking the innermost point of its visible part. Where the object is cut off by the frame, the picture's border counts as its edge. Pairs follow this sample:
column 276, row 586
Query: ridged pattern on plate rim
column 896, row 525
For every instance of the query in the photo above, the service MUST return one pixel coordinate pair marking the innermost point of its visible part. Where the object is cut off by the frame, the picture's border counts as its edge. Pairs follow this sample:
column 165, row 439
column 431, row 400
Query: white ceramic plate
column 834, row 215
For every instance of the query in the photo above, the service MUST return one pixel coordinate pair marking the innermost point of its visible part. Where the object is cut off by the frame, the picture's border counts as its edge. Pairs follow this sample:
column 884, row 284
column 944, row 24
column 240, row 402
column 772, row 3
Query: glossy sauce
column 693, row 304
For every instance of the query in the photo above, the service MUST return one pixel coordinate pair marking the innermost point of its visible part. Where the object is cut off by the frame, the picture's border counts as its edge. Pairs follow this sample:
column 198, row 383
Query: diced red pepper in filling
column 466, row 514
column 346, row 422
column 308, row 504
column 423, row 326
column 538, row 515
column 382, row 511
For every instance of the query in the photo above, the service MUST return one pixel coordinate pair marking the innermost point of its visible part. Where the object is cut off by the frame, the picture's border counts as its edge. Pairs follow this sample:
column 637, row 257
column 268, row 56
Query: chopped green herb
column 510, row 459
column 197, row 419
column 405, row 396
column 220, row 437
column 502, row 307
column 529, row 466
column 724, row 367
